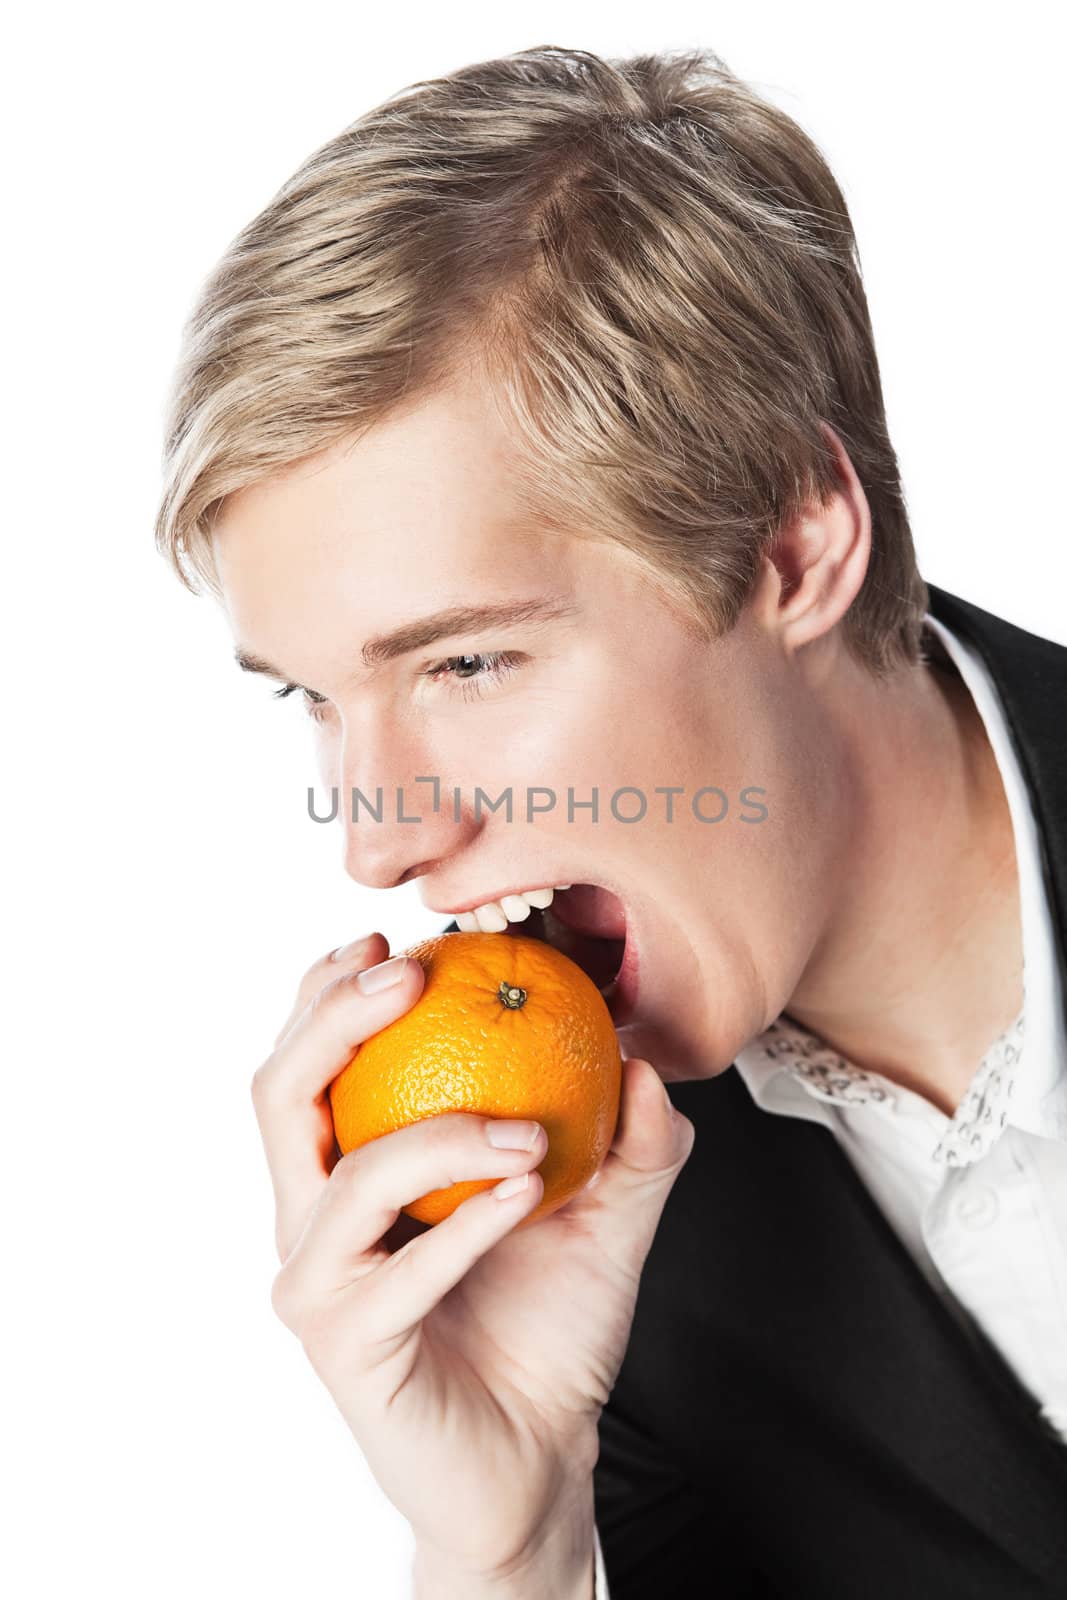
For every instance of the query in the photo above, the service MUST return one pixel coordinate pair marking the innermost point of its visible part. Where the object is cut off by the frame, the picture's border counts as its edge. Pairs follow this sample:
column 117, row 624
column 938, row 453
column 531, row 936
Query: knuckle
column 346, row 1187
column 456, row 1146
column 313, row 979
column 283, row 1300
column 264, row 1085
column 269, row 1088
column 448, row 1127
column 689, row 1134
column 348, row 1171
column 447, row 1141
column 441, row 1137
column 460, row 1133
column 314, row 1324
column 337, row 1007
column 332, row 996
column 327, row 1335
column 317, row 978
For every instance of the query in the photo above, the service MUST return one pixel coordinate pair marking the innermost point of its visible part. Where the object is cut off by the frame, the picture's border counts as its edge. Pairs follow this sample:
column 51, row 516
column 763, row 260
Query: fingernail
column 513, row 1135
column 345, row 952
column 383, row 976
column 511, row 1186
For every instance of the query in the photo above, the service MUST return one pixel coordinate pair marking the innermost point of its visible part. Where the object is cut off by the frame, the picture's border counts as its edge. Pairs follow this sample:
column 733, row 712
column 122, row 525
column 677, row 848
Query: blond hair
column 654, row 267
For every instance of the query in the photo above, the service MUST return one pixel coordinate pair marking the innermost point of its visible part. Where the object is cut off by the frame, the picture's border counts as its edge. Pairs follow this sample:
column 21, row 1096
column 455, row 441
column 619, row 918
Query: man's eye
column 311, row 699
column 470, row 673
column 466, row 675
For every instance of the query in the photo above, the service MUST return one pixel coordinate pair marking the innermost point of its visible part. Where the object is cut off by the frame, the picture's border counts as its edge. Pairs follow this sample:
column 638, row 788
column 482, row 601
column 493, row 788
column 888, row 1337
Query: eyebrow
column 424, row 631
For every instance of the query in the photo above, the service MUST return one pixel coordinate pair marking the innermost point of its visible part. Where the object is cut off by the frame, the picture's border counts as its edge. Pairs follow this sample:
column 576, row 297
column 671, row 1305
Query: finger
column 652, row 1144
column 417, row 1278
column 650, row 1135
column 289, row 1089
column 368, row 951
column 341, row 1243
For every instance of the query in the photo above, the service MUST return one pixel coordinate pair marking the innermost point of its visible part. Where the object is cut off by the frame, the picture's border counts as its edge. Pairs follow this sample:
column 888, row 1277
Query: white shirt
column 979, row 1198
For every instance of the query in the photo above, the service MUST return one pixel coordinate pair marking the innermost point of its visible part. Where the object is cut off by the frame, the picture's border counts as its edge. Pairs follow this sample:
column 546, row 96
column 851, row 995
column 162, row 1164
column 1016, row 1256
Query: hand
column 471, row 1360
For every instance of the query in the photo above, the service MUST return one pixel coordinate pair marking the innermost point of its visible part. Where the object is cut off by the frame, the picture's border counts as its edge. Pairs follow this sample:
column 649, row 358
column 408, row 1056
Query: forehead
column 416, row 513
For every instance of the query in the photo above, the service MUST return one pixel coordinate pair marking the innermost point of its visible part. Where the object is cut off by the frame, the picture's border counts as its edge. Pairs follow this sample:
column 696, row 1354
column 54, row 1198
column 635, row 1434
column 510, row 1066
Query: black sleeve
column 662, row 1537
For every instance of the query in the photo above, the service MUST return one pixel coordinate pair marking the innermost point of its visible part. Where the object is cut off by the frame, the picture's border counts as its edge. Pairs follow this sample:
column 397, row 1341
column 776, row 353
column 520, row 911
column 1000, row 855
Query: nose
column 399, row 812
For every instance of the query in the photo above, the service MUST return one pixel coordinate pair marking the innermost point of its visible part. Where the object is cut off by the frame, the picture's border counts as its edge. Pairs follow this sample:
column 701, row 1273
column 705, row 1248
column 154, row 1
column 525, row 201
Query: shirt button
column 976, row 1208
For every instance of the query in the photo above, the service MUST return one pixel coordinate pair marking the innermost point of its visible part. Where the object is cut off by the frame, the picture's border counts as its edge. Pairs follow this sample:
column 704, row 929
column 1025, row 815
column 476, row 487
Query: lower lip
column 620, row 996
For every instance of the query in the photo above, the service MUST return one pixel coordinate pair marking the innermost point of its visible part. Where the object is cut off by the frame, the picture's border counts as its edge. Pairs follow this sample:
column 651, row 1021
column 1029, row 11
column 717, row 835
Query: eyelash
column 312, row 701
column 500, row 664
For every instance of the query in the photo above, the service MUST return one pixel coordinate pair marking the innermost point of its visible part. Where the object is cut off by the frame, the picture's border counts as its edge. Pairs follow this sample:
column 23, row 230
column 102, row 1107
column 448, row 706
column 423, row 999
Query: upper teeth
column 495, row 915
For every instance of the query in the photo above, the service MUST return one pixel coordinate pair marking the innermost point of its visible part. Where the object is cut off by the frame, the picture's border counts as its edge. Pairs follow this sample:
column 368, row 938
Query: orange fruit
column 505, row 1026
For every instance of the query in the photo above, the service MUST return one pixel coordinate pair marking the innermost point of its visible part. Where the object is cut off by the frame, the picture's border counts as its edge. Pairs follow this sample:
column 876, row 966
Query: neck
column 919, row 965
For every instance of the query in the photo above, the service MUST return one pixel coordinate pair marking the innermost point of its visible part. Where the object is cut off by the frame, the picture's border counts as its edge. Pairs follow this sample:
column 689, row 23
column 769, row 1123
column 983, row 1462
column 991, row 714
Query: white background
column 164, row 1434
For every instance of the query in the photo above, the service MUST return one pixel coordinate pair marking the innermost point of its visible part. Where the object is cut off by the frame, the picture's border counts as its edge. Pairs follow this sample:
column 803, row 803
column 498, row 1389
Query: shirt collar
column 1022, row 1078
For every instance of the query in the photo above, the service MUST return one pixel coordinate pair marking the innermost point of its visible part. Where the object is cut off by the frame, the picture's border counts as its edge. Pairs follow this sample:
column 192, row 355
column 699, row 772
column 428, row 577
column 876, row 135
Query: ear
column 817, row 563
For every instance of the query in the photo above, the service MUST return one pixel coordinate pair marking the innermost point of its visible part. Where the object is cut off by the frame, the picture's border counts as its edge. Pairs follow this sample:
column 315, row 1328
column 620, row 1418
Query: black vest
column 798, row 1415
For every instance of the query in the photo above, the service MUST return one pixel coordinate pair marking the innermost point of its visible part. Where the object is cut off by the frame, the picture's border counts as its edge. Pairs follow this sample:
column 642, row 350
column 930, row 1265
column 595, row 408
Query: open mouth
column 588, row 924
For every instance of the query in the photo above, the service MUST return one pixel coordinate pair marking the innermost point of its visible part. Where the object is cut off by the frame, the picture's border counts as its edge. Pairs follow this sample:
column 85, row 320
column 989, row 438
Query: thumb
column 652, row 1140
column 651, row 1146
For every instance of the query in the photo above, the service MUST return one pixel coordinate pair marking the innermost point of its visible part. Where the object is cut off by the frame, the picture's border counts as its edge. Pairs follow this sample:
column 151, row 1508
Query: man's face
column 602, row 687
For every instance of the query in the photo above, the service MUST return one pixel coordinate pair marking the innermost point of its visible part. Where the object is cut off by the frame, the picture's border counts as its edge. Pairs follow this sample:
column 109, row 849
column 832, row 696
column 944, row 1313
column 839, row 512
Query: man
column 533, row 435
